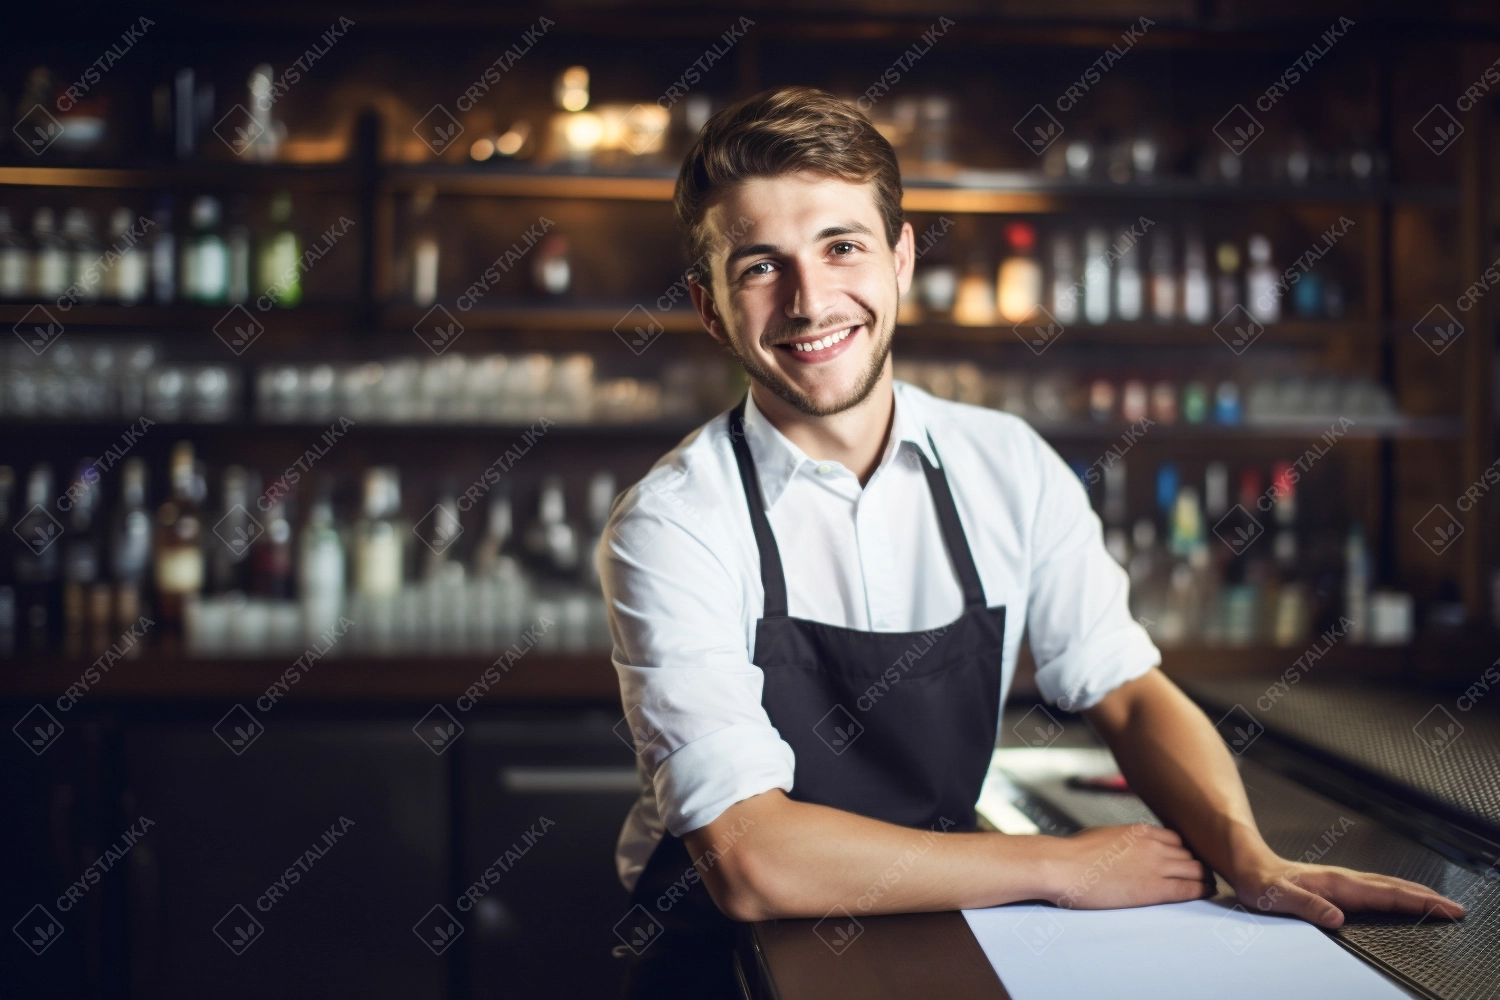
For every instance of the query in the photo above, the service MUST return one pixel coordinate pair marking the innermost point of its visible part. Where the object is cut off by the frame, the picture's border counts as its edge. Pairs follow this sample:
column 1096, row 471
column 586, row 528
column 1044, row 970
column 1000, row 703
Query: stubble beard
column 789, row 393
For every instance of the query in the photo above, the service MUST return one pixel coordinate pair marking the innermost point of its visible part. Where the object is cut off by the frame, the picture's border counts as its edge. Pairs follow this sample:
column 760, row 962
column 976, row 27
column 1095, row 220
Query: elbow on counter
column 747, row 886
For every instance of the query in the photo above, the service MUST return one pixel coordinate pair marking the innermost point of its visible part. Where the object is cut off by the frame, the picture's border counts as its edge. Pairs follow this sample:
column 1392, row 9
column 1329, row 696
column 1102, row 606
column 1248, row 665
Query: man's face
column 805, row 290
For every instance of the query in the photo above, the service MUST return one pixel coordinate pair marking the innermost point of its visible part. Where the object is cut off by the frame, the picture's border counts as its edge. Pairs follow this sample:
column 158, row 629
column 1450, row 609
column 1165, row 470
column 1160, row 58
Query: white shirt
column 681, row 577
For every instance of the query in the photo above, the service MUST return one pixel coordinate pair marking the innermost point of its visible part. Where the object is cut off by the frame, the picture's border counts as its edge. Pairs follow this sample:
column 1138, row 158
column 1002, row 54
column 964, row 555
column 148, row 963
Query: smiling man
column 817, row 599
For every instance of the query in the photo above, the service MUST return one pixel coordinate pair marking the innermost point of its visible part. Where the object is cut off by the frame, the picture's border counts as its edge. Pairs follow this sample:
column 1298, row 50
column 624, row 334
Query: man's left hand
column 1321, row 894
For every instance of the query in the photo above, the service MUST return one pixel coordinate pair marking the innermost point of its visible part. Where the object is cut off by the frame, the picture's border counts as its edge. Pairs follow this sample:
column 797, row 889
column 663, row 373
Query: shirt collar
column 777, row 459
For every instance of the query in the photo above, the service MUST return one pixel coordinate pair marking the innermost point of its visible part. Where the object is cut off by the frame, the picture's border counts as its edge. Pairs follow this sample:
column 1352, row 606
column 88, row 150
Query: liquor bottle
column 1288, row 599
column 277, row 271
column 1129, row 292
column 1065, row 288
column 271, row 566
column 81, row 556
column 238, row 244
column 1261, row 294
column 206, row 279
column 52, row 261
column 125, row 282
column 227, row 563
column 975, row 303
column 1197, row 295
column 551, row 540
column 130, row 543
column 85, row 273
column 1096, row 275
column 163, row 254
column 495, row 566
column 377, row 545
column 1227, row 282
column 1019, row 280
column 15, row 261
column 551, row 272
column 37, row 561
column 1163, row 278
column 179, row 541
column 1227, row 404
column 320, row 570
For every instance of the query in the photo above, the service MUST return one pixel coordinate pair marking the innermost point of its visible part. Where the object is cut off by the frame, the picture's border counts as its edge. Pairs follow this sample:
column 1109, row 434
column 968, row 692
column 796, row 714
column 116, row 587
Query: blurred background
column 336, row 330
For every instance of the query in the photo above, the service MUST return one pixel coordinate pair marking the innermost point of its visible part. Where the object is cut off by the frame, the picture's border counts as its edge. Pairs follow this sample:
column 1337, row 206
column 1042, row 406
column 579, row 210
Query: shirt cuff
column 698, row 781
column 1082, row 675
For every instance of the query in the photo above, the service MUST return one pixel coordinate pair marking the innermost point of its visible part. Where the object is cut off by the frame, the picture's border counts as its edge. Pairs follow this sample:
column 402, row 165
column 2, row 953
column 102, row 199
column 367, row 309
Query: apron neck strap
column 953, row 531
column 773, row 580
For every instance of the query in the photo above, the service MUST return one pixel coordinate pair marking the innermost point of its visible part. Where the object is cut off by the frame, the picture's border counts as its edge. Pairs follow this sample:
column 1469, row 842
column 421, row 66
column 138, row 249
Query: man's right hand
column 1116, row 866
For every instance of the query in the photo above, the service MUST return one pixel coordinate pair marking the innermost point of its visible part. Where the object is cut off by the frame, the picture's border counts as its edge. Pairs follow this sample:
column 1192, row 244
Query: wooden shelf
column 583, row 317
column 417, row 679
column 1122, row 334
column 204, row 174
column 186, row 317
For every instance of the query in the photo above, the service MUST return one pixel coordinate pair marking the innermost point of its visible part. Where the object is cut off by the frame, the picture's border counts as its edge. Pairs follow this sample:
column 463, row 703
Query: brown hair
column 778, row 132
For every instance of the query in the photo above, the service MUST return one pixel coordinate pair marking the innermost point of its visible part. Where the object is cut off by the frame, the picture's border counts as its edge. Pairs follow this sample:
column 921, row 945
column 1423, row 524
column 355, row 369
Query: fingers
column 1366, row 891
column 1188, row 869
column 1309, row 906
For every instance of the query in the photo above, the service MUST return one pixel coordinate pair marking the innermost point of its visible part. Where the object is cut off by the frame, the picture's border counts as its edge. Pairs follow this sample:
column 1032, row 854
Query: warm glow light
column 511, row 142
column 482, row 149
column 572, row 88
column 583, row 131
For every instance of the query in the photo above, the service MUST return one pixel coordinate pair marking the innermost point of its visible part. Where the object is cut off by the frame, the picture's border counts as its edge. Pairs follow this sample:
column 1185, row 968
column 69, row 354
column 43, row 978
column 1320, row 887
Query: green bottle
column 280, row 278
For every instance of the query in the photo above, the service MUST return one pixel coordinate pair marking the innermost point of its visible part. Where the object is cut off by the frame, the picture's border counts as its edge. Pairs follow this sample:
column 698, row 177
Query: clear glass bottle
column 179, row 541
column 320, row 570
column 1197, row 293
column 209, row 254
column 227, row 563
column 1129, row 292
column 1262, row 297
column 52, row 262
column 1096, row 283
column 125, row 282
column 130, row 543
column 1066, row 289
column 551, row 539
column 37, row 566
column 82, row 556
column 378, row 546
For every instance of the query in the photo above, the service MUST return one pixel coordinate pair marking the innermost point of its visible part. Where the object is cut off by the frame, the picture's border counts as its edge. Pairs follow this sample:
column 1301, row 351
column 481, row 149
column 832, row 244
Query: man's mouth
column 821, row 347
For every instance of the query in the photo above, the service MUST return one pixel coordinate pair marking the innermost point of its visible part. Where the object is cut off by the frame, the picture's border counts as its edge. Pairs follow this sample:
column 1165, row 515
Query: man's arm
column 1175, row 761
column 769, row 856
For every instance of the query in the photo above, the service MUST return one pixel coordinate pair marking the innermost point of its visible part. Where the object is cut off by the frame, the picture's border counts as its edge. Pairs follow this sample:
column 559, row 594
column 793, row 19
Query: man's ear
column 708, row 312
column 905, row 252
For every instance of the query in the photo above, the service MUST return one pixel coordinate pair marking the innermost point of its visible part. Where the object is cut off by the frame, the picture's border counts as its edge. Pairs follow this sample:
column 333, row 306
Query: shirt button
column 824, row 469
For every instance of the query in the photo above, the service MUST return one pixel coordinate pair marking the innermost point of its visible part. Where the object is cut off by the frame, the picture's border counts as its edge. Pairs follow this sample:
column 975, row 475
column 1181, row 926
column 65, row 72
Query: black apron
column 912, row 750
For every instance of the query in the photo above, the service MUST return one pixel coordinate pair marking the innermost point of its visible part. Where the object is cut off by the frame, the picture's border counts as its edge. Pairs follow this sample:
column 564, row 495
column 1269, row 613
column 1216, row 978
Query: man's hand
column 1320, row 894
column 1175, row 761
column 1115, row 866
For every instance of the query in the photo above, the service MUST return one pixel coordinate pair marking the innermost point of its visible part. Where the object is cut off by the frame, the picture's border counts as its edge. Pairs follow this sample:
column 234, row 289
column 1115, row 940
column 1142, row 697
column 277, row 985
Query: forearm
column 1174, row 760
column 795, row 859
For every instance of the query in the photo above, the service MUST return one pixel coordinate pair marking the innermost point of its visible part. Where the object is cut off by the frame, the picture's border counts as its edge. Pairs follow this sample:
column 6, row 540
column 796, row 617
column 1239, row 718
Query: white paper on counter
column 1192, row 951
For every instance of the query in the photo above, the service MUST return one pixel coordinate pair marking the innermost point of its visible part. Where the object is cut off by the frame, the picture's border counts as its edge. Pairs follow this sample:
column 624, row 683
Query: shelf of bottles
column 241, row 574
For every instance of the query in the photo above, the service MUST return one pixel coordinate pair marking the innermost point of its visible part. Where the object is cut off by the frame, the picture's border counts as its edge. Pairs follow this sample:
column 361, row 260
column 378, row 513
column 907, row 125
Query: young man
column 817, row 599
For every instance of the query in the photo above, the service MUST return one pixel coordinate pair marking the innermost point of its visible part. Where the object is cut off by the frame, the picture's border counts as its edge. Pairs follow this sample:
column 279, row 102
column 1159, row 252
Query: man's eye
column 752, row 269
column 847, row 248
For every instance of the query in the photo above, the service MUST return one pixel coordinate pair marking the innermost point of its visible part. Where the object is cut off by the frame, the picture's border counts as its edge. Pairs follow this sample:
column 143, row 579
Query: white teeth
column 822, row 342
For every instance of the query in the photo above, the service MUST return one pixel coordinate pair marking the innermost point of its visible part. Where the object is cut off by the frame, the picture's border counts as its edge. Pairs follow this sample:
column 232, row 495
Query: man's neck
column 855, row 438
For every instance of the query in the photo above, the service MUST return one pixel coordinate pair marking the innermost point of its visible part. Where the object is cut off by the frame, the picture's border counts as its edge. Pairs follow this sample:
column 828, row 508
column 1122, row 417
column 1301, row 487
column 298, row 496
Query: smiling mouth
column 821, row 347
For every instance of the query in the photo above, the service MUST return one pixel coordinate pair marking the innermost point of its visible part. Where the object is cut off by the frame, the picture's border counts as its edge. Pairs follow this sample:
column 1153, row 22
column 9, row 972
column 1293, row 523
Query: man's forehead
column 791, row 206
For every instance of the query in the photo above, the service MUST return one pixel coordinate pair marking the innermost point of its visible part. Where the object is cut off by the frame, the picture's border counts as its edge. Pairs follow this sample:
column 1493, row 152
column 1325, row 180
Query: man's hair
column 778, row 132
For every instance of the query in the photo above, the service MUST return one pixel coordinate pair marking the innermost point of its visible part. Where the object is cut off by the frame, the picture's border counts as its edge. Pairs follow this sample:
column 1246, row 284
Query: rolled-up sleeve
column 1082, row 635
column 691, row 695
